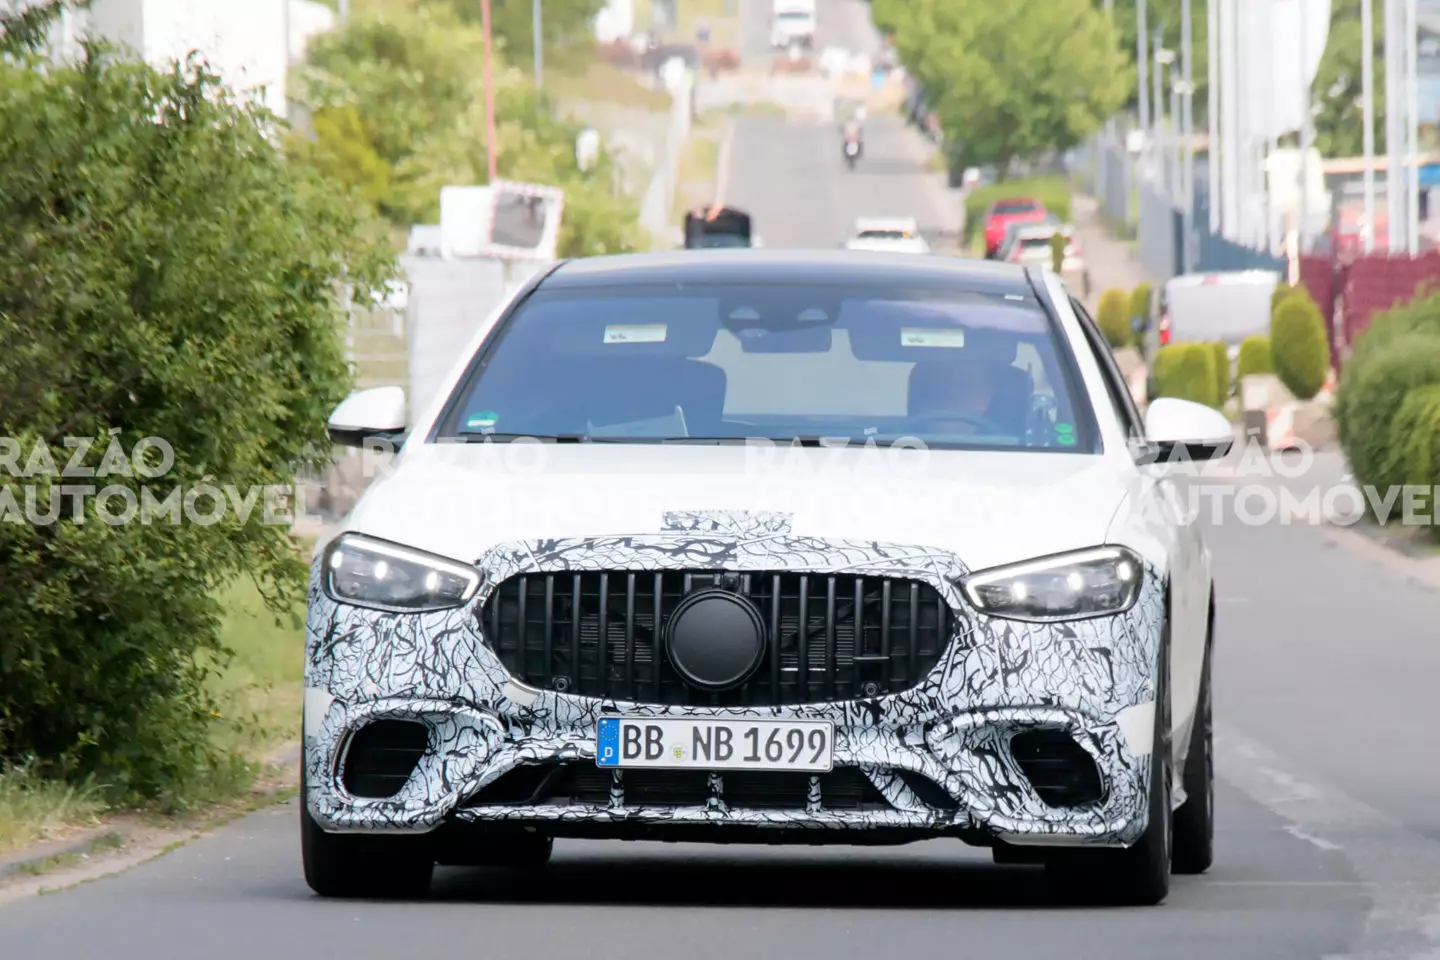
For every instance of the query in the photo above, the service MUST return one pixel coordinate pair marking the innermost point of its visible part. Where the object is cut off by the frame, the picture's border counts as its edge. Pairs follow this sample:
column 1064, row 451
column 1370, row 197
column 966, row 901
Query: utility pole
column 1158, row 76
column 539, row 48
column 1307, row 131
column 1187, row 133
column 1234, row 147
column 1212, row 71
column 1367, row 98
column 1394, row 126
column 1142, row 36
column 1412, row 128
column 489, row 93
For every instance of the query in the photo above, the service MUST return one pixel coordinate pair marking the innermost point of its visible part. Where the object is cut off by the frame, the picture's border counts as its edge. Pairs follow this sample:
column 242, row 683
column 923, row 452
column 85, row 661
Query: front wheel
column 359, row 866
column 1139, row 875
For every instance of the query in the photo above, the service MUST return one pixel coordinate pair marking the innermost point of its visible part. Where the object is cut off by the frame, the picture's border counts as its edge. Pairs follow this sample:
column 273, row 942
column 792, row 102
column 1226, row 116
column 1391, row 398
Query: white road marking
column 1401, row 866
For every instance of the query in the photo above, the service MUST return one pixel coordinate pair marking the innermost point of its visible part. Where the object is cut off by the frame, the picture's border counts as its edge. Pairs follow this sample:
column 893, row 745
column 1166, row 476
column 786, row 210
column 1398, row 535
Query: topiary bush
column 1058, row 243
column 1254, row 357
column 1413, row 455
column 165, row 273
column 1299, row 347
column 1140, row 307
column 1186, row 371
column 1222, row 372
column 1370, row 395
column 1113, row 317
column 1284, row 291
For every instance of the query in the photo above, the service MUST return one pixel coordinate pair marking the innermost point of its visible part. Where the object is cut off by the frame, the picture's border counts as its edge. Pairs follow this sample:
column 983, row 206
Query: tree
column 565, row 27
column 1339, row 119
column 399, row 114
column 164, row 273
column 1009, row 83
column 1166, row 17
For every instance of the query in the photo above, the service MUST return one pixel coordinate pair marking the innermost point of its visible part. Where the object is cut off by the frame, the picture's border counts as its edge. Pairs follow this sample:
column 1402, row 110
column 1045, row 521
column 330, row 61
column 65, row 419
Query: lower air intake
column 1058, row 768
column 381, row 757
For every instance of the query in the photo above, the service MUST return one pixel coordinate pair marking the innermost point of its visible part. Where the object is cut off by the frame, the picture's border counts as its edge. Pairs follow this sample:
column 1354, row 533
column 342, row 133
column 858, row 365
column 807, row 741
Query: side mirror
column 1180, row 430
column 369, row 415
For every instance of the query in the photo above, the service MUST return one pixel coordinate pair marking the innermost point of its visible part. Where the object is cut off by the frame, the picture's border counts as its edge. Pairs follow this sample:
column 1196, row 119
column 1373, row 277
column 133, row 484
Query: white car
column 773, row 547
column 894, row 234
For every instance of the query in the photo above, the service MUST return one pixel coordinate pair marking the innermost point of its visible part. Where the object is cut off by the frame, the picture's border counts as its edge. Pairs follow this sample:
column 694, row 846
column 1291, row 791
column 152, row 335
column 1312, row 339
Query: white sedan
column 775, row 547
column 894, row 234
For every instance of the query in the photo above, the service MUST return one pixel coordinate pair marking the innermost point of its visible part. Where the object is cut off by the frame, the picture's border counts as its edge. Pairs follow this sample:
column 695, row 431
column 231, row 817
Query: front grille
column 381, row 757
column 844, row 789
column 830, row 636
column 1058, row 768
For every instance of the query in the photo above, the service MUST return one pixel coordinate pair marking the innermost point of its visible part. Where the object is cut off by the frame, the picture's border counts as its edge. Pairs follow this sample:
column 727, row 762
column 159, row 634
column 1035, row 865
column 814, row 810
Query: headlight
column 1072, row 586
column 387, row 576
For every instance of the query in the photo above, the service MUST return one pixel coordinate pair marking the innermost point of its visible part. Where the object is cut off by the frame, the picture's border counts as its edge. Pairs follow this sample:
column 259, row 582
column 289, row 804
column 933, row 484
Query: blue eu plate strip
column 607, row 742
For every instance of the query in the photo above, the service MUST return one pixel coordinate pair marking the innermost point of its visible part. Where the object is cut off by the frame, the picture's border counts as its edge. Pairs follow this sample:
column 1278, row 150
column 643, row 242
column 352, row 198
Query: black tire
column 1139, row 875
column 1194, row 829
column 358, row 866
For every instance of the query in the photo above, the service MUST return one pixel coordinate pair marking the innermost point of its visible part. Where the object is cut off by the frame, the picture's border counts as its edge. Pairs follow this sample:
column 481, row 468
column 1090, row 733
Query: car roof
column 748, row 265
column 908, row 224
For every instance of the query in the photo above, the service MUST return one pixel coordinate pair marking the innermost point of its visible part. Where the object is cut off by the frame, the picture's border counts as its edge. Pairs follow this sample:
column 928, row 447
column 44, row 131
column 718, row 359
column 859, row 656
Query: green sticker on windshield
column 479, row 421
column 1066, row 439
column 1065, row 428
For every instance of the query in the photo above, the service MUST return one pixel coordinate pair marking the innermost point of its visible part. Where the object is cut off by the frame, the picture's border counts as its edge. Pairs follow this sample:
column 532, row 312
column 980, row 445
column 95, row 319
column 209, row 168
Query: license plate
column 677, row 744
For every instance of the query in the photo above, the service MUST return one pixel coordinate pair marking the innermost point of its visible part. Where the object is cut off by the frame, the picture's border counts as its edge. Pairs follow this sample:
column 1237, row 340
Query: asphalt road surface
column 1328, row 824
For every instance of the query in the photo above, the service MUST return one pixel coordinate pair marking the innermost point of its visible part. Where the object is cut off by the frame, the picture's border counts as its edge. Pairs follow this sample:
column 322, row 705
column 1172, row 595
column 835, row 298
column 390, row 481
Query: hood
column 987, row 508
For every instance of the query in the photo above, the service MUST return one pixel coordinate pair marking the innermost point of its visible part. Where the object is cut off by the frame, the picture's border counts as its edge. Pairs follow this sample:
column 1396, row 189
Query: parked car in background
column 1014, row 230
column 1030, row 244
column 1004, row 212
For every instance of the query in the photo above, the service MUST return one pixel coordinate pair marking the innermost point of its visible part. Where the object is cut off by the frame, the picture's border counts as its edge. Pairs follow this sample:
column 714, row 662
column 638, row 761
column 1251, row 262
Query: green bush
column 1222, row 373
column 1372, row 392
column 1113, row 317
column 1254, row 357
column 1299, row 347
column 1140, row 307
column 1058, row 243
column 164, row 273
column 1413, row 454
column 1420, row 314
column 1186, row 371
column 1283, row 291
column 1053, row 192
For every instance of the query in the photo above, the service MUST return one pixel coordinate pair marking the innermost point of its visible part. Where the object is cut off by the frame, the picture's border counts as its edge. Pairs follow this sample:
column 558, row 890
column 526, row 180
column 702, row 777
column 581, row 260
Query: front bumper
column 1092, row 680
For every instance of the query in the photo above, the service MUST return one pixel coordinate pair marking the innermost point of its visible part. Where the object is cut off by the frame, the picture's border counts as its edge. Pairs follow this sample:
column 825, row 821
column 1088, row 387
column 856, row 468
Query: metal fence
column 1144, row 201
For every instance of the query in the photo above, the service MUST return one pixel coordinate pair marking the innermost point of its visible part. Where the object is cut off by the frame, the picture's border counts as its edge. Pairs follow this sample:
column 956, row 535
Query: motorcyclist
column 854, row 134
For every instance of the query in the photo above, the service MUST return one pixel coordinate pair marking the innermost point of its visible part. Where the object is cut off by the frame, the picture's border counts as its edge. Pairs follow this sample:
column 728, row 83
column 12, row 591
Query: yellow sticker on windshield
column 636, row 333
column 921, row 337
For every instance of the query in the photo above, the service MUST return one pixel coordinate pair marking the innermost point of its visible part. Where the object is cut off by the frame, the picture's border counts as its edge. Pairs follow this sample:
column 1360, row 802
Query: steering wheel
column 983, row 425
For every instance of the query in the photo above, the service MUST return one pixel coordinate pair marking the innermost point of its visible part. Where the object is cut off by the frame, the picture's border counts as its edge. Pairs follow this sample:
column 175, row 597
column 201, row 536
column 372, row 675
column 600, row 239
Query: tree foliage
column 1339, row 118
column 564, row 27
column 1166, row 18
column 398, row 107
column 164, row 273
column 1007, row 81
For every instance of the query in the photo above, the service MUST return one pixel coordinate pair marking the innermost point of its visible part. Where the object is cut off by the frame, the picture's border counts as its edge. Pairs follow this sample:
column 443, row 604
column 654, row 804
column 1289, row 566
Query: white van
column 1207, row 307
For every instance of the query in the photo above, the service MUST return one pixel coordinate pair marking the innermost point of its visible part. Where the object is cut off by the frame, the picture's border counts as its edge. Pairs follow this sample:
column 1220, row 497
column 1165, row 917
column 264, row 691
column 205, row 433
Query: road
column 1328, row 838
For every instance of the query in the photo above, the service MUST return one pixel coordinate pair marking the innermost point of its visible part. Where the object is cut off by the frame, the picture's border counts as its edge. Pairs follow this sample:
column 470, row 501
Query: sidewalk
column 1110, row 261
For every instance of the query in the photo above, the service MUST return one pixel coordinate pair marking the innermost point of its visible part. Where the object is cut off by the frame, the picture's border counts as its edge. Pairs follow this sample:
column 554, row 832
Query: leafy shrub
column 1413, row 454
column 1420, row 314
column 1284, row 291
column 164, row 273
column 1254, row 357
column 1113, row 317
column 1186, row 371
column 1222, row 373
column 1058, row 243
column 1140, row 307
column 1372, row 392
column 1053, row 192
column 1299, row 346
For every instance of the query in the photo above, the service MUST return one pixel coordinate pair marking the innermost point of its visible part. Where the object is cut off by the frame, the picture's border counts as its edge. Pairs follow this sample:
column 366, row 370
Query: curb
column 124, row 825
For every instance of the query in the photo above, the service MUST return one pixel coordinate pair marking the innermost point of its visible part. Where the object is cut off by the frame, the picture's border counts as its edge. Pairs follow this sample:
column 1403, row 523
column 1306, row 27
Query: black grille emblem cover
column 715, row 639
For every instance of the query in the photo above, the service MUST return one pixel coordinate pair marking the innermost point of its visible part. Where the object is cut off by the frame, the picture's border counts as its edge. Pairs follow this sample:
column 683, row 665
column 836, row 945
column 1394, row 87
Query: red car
column 1003, row 213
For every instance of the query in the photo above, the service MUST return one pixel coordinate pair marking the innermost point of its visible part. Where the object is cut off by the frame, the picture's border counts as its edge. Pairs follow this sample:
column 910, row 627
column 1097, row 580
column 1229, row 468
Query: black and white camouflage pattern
column 996, row 679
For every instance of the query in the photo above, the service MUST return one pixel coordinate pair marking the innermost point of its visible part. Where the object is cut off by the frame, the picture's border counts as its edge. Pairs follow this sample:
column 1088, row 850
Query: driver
column 952, row 396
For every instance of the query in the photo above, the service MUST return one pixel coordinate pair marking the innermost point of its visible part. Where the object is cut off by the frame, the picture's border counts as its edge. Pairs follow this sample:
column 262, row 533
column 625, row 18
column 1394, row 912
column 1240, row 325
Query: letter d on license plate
column 799, row 745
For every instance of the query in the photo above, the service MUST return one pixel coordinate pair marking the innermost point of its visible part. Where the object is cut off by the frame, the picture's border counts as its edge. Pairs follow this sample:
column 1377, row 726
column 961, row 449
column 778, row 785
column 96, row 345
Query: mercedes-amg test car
column 776, row 547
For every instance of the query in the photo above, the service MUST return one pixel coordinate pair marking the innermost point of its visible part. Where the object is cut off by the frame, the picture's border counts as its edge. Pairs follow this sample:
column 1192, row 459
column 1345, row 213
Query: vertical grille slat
column 831, row 636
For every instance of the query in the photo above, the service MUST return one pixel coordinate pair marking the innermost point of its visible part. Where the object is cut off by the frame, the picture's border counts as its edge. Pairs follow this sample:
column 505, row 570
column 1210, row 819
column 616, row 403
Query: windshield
column 1035, row 243
column 883, row 235
column 650, row 363
column 1019, row 206
column 723, row 240
column 793, row 16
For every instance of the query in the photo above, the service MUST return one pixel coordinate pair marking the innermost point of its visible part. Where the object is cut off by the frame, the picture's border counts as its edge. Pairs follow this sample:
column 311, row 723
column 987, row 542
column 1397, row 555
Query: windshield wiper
column 542, row 437
column 786, row 441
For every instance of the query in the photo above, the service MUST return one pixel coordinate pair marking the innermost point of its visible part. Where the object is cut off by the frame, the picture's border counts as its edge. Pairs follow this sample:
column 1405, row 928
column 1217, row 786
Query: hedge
column 1413, row 454
column 1113, row 317
column 1054, row 192
column 1418, row 315
column 1140, row 307
column 1283, row 291
column 1186, row 371
column 1222, row 372
column 1254, row 357
column 1372, row 392
column 1299, row 346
